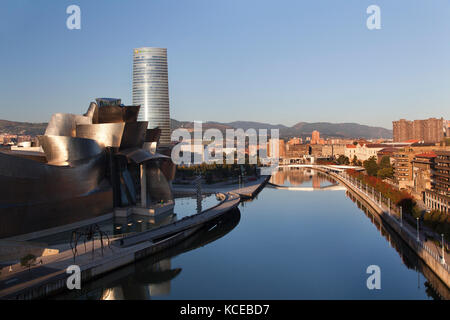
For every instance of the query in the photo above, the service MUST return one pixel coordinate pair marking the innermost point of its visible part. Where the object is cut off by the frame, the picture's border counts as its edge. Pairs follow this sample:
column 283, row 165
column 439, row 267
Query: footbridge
column 327, row 168
column 333, row 187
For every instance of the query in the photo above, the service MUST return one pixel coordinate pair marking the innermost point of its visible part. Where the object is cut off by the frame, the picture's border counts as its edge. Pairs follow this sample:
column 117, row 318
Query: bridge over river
column 327, row 168
column 333, row 187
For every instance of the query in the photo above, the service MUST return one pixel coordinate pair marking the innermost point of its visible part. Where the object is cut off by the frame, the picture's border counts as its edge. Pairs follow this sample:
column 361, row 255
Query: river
column 314, row 242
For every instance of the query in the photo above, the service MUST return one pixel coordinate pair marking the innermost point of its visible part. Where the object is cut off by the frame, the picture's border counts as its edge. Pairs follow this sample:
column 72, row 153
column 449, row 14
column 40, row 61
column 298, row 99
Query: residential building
column 422, row 171
column 403, row 160
column 387, row 152
column 297, row 151
column 272, row 144
column 429, row 130
column 294, row 141
column 441, row 175
column 315, row 137
column 316, row 150
column 363, row 151
column 438, row 197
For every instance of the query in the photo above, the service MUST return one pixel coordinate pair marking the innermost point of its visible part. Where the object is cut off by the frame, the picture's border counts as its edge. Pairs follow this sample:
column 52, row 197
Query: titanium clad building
column 151, row 89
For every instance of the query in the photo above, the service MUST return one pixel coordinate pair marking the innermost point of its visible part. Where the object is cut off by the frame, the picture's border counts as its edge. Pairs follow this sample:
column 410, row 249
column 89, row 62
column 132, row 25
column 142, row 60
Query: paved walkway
column 247, row 188
column 430, row 246
column 16, row 279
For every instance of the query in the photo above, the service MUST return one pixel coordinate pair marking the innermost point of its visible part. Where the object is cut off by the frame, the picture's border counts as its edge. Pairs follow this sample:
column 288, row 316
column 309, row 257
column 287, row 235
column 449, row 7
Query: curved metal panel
column 158, row 187
column 140, row 155
column 106, row 134
column 61, row 150
column 152, row 135
column 113, row 114
column 24, row 181
column 134, row 135
column 92, row 112
column 64, row 124
column 168, row 168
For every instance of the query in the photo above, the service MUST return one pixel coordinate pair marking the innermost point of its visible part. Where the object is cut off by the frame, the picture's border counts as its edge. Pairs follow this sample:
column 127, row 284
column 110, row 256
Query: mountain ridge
column 300, row 129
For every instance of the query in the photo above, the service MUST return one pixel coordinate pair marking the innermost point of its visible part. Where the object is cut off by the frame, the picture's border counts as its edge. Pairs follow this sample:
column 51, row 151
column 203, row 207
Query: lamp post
column 443, row 251
column 401, row 216
column 418, row 239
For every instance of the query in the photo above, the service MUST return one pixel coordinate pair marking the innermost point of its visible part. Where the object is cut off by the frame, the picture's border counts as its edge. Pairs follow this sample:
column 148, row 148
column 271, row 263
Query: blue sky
column 269, row 61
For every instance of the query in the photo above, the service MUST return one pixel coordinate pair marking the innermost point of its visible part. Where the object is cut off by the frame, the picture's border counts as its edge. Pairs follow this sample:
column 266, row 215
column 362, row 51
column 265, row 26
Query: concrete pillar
column 143, row 186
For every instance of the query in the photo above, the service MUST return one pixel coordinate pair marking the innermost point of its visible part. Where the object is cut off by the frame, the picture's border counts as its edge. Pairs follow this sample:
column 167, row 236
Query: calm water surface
column 283, row 245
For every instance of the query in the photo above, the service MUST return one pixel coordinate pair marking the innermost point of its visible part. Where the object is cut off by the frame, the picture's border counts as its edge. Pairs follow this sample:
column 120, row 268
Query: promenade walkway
column 246, row 190
column 49, row 275
column 417, row 238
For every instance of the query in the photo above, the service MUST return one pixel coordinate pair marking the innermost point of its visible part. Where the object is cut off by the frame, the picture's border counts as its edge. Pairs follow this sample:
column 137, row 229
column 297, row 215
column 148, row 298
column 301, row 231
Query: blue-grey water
column 283, row 245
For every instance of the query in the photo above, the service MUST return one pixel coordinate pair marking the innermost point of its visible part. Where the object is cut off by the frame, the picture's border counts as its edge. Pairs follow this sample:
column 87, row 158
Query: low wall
column 430, row 261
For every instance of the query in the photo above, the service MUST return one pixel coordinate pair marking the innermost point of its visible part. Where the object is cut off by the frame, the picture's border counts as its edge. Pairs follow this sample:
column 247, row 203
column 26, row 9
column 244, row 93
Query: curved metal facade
column 91, row 165
column 151, row 89
column 62, row 150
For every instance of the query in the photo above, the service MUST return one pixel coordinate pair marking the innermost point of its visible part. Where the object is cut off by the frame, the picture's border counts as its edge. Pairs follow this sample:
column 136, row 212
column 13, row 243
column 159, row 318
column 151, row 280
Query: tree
column 384, row 173
column 343, row 160
column 28, row 261
column 371, row 166
column 385, row 162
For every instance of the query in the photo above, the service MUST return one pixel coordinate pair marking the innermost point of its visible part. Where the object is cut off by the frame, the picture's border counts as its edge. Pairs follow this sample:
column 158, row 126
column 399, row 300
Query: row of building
column 14, row 139
column 425, row 172
column 362, row 150
column 419, row 167
column 427, row 130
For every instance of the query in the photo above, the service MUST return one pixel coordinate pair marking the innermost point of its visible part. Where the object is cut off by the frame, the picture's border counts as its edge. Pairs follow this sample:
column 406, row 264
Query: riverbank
column 246, row 190
column 95, row 260
column 428, row 254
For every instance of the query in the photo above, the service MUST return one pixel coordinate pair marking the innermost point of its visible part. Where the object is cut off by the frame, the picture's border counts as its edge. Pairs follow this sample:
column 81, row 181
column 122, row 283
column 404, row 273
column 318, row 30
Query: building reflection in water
column 152, row 276
column 435, row 288
column 154, row 281
column 301, row 176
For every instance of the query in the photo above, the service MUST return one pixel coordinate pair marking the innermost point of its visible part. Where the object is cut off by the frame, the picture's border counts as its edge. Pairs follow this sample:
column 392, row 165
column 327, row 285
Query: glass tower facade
column 151, row 89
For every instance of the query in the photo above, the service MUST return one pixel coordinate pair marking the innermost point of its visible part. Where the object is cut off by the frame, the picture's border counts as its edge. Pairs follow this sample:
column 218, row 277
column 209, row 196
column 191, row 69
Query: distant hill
column 301, row 129
column 22, row 128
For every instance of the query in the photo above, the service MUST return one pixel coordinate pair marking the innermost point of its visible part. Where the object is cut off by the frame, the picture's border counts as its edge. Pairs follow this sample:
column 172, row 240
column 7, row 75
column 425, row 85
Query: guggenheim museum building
column 88, row 166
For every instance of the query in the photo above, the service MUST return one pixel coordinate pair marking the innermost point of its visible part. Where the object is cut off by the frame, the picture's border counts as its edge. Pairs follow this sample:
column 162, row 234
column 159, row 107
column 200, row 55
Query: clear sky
column 269, row 61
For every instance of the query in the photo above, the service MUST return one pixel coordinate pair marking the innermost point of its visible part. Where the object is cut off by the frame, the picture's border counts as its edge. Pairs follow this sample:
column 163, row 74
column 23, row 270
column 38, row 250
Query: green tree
column 385, row 162
column 371, row 166
column 384, row 173
column 28, row 261
column 343, row 160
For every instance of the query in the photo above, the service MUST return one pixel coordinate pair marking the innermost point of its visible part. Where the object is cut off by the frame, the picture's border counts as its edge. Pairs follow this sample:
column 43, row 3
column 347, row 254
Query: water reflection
column 152, row 277
column 118, row 226
column 305, row 177
column 291, row 245
column 435, row 288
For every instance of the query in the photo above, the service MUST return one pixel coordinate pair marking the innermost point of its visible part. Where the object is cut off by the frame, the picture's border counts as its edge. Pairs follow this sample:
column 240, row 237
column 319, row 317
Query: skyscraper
column 151, row 89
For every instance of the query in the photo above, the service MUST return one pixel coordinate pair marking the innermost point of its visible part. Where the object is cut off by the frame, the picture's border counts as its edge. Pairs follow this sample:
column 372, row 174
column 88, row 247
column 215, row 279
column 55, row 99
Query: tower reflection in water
column 152, row 277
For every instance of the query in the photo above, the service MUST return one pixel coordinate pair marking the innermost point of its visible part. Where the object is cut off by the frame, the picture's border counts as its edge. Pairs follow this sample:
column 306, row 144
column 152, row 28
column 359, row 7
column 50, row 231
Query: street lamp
column 443, row 251
column 401, row 216
column 418, row 239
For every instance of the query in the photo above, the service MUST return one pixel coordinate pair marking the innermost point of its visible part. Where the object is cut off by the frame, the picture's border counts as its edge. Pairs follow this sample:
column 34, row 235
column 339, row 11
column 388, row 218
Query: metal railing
column 393, row 211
